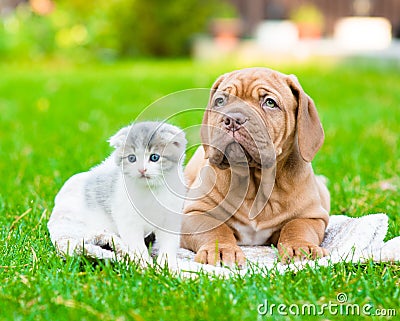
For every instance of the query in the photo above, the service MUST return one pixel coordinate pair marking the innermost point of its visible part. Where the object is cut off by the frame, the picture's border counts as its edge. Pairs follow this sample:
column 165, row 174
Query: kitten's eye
column 154, row 157
column 219, row 101
column 269, row 103
column 131, row 158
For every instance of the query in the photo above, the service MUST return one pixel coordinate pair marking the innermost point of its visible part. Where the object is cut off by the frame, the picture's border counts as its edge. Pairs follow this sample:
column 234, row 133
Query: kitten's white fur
column 116, row 198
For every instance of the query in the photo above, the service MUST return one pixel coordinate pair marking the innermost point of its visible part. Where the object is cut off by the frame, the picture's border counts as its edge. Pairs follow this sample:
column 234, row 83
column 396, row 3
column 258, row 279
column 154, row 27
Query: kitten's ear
column 119, row 138
column 178, row 139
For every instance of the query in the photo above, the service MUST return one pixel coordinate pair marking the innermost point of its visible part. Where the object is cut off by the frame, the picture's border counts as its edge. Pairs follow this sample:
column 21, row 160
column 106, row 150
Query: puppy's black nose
column 234, row 121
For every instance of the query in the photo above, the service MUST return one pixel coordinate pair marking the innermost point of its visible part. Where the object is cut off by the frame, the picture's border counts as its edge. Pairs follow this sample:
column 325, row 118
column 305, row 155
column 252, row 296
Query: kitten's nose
column 142, row 171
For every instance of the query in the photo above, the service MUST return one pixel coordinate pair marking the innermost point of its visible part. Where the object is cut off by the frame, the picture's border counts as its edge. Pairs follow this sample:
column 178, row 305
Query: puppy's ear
column 119, row 138
column 204, row 130
column 309, row 129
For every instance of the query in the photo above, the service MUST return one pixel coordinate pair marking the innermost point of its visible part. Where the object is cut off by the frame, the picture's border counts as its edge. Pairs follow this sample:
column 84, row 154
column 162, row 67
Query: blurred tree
column 79, row 29
column 159, row 27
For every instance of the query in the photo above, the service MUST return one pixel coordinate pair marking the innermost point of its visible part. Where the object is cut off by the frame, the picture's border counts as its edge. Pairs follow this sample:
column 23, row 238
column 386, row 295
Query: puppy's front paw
column 216, row 254
column 300, row 250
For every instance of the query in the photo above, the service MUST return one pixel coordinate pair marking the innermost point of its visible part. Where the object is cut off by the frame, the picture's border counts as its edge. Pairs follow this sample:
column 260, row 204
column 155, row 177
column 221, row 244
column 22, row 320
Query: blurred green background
column 106, row 30
column 71, row 76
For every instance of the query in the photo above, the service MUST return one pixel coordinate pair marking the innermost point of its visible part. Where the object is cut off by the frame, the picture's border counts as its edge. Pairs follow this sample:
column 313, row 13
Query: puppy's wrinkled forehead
column 254, row 82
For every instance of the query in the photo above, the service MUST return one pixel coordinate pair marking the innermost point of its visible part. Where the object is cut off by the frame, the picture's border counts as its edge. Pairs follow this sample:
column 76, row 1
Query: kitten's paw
column 141, row 257
column 169, row 260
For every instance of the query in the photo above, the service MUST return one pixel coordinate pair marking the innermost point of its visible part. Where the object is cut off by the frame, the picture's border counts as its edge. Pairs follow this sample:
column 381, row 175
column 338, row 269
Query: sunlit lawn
column 55, row 120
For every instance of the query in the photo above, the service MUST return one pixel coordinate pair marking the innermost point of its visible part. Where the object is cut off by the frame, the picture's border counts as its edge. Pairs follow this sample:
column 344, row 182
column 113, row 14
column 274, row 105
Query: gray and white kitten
column 138, row 190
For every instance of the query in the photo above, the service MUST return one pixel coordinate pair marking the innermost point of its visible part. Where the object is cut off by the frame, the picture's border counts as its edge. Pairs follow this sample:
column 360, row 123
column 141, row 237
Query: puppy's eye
column 269, row 103
column 154, row 157
column 131, row 158
column 219, row 101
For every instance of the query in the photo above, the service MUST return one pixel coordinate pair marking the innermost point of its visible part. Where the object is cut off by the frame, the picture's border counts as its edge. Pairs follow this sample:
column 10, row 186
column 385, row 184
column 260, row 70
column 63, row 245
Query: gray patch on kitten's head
column 162, row 137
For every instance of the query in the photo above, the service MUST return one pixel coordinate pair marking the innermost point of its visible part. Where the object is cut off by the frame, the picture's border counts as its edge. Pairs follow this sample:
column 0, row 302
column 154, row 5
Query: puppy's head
column 256, row 116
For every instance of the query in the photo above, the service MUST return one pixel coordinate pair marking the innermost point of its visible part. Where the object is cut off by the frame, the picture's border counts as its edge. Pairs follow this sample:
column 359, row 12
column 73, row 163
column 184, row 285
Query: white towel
column 347, row 239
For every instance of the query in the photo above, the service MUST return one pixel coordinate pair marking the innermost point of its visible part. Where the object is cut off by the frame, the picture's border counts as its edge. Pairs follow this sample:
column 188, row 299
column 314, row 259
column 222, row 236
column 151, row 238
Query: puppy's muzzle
column 234, row 121
column 236, row 138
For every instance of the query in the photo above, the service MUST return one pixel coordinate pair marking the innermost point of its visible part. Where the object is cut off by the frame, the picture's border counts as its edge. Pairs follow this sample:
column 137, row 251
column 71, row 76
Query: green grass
column 54, row 121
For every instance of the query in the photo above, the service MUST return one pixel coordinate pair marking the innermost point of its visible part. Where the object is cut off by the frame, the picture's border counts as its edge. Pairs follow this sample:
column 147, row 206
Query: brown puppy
column 251, row 183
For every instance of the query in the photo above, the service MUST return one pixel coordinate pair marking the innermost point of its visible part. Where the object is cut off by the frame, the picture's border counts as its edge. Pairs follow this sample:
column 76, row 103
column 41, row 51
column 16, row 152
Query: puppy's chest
column 249, row 234
column 258, row 230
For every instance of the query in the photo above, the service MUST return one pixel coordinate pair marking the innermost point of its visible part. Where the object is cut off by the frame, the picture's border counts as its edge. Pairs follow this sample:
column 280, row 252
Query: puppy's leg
column 212, row 240
column 323, row 192
column 301, row 238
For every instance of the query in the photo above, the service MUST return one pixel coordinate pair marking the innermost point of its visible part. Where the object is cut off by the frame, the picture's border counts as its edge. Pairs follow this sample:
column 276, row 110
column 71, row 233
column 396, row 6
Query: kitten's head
column 149, row 151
